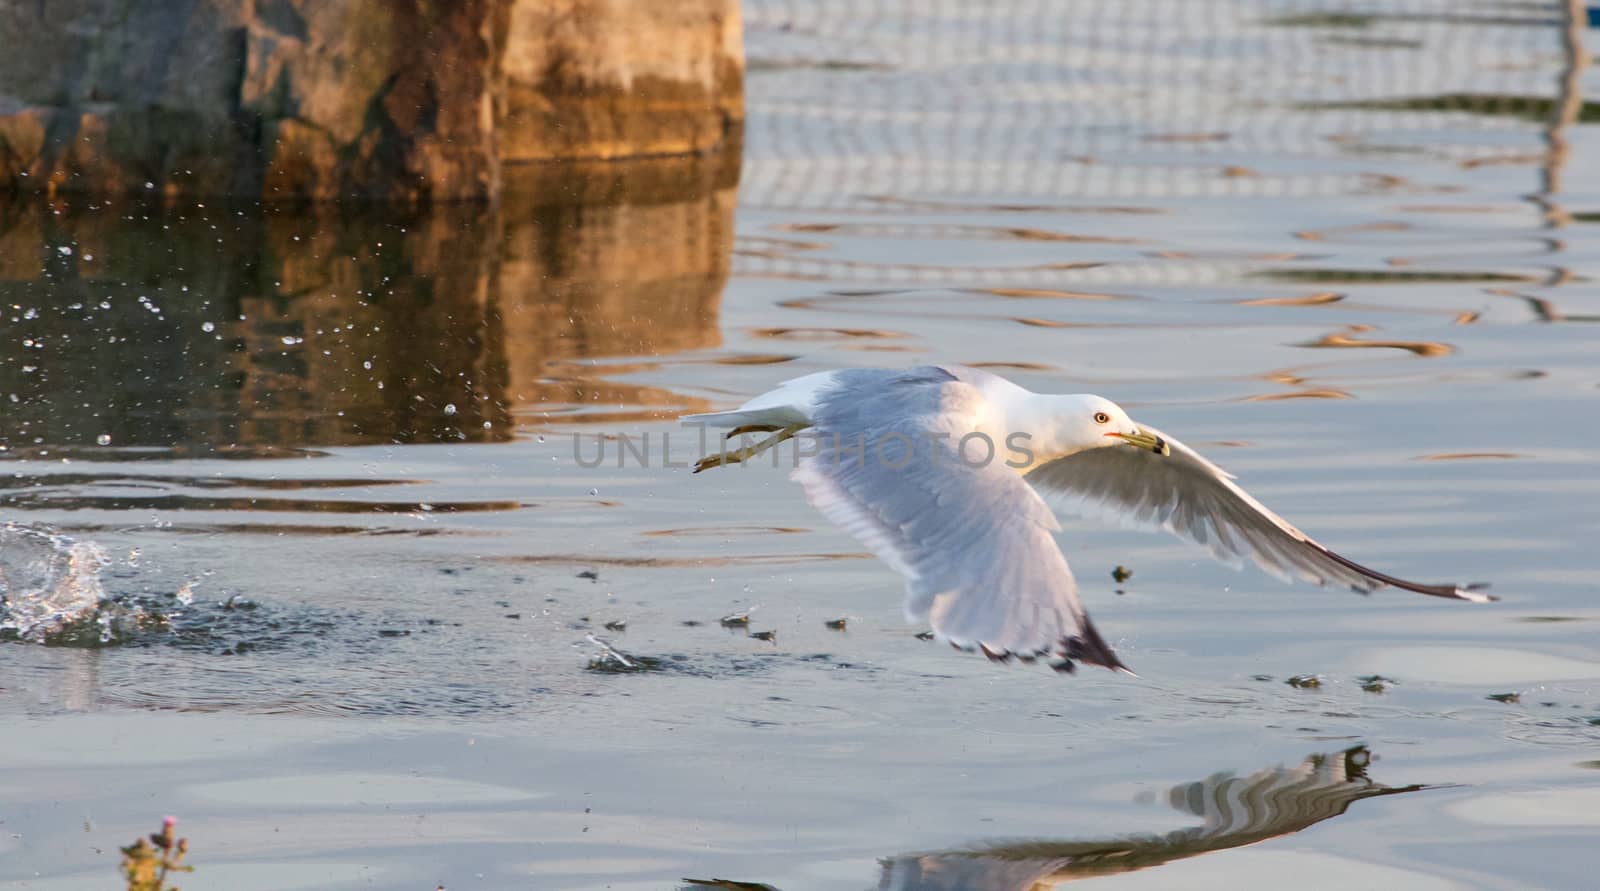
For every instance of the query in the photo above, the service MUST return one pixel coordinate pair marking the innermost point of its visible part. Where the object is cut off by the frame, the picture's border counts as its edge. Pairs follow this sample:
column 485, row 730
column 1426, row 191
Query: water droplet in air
column 65, row 250
column 103, row 439
column 594, row 491
column 207, row 327
column 539, row 438
column 450, row 409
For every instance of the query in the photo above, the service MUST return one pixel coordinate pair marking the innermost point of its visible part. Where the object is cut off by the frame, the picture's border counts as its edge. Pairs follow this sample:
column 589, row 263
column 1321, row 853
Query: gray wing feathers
column 1194, row 499
column 974, row 542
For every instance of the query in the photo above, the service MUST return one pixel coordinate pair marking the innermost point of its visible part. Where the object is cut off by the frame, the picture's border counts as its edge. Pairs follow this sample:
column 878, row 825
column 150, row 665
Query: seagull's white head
column 1086, row 422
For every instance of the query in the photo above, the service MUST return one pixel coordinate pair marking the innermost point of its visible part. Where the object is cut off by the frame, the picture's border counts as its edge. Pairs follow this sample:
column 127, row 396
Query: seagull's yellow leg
column 745, row 454
column 751, row 428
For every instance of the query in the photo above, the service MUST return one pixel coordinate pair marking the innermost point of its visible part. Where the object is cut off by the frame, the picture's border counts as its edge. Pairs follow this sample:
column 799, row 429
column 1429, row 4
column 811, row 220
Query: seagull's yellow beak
column 1143, row 440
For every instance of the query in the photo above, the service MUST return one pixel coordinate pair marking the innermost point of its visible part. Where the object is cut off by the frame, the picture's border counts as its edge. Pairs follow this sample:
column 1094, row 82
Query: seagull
column 953, row 476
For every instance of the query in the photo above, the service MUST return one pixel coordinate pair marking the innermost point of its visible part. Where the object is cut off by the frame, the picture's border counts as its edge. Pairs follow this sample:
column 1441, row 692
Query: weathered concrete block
column 319, row 99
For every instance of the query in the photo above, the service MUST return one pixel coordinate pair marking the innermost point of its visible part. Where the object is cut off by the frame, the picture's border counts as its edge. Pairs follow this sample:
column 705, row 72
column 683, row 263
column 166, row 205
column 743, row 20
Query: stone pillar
column 406, row 100
column 621, row 78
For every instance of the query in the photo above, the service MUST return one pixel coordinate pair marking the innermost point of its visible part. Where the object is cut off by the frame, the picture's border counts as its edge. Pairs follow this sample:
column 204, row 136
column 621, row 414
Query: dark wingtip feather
column 1453, row 592
column 1478, row 588
column 995, row 655
column 1090, row 648
column 1087, row 647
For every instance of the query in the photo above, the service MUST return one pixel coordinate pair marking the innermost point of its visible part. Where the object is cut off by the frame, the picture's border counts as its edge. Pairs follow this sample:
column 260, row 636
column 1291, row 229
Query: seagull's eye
column 1101, row 417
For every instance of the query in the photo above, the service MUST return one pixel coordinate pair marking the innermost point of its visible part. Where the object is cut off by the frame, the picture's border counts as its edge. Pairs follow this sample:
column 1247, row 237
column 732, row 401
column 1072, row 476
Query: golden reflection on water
column 1424, row 348
column 1319, row 299
column 213, row 328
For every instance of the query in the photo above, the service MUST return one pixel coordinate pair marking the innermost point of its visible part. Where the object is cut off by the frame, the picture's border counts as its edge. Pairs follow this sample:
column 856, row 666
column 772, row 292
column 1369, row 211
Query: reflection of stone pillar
column 304, row 99
column 373, row 331
column 208, row 329
column 630, row 262
column 1565, row 111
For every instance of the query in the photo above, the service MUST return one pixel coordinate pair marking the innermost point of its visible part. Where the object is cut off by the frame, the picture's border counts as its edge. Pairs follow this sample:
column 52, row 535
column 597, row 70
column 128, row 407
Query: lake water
column 331, row 470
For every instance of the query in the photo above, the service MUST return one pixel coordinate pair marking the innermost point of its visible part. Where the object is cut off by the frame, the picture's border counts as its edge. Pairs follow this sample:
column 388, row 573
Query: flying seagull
column 949, row 474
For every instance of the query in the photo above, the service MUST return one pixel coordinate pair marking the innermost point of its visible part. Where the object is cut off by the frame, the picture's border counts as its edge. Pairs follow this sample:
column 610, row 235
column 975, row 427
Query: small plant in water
column 147, row 862
column 1376, row 683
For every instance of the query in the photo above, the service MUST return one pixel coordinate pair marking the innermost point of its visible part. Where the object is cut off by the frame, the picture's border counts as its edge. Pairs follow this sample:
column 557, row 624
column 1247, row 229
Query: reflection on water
column 1234, row 811
column 1531, row 108
column 207, row 329
column 1364, row 310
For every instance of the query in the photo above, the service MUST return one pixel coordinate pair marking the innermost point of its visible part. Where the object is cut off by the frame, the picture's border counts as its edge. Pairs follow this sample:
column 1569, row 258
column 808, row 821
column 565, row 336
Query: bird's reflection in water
column 1234, row 810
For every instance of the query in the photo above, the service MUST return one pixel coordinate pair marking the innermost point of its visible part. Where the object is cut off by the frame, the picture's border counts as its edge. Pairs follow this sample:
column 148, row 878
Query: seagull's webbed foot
column 739, row 456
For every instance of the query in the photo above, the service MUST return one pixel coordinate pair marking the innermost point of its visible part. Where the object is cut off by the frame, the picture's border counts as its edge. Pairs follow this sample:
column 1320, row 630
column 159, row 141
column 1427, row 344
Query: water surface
column 335, row 467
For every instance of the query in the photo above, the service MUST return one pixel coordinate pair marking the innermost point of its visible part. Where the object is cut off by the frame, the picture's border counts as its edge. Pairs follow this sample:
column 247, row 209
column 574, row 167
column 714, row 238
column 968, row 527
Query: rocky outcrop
column 390, row 99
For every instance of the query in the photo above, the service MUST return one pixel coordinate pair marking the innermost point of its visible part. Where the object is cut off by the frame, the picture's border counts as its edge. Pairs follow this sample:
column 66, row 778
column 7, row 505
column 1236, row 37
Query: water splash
column 50, row 589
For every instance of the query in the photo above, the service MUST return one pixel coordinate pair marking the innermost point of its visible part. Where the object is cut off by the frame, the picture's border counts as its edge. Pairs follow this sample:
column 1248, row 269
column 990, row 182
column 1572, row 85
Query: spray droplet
column 539, row 438
column 207, row 327
column 450, row 409
column 594, row 491
column 103, row 439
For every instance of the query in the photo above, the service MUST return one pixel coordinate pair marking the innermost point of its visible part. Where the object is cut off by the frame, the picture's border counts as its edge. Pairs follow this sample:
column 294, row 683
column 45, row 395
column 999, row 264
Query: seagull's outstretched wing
column 974, row 542
column 1197, row 500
